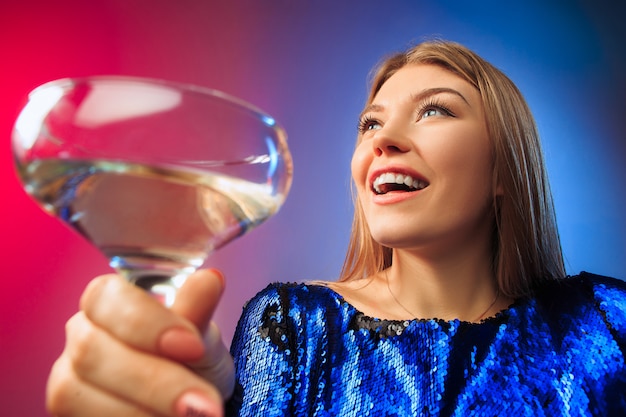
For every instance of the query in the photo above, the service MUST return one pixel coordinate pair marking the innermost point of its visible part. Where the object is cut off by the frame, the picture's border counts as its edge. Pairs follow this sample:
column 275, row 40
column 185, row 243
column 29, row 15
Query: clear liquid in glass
column 154, row 223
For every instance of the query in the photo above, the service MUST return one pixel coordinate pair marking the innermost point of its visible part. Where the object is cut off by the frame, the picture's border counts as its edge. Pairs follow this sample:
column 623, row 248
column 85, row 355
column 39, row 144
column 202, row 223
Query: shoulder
column 606, row 291
column 282, row 313
column 609, row 295
column 585, row 295
column 585, row 285
column 601, row 283
column 291, row 301
column 293, row 294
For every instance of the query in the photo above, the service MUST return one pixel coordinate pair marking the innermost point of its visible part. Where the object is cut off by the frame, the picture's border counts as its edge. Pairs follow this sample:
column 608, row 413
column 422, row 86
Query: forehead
column 415, row 78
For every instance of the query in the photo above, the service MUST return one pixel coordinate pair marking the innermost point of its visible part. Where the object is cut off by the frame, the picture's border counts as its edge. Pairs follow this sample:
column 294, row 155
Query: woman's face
column 423, row 165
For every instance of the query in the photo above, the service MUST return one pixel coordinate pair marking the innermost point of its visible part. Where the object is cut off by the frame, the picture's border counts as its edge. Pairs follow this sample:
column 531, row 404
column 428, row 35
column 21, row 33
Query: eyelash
column 433, row 104
column 365, row 122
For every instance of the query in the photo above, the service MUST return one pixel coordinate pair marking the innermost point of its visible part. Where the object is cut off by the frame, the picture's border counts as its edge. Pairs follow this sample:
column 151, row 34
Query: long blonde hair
column 526, row 244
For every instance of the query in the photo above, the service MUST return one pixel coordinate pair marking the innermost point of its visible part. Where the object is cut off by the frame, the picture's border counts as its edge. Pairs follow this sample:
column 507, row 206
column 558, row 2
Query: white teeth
column 392, row 178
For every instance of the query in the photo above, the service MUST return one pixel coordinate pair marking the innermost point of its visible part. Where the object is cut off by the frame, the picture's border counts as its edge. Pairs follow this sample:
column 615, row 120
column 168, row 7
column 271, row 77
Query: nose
column 390, row 139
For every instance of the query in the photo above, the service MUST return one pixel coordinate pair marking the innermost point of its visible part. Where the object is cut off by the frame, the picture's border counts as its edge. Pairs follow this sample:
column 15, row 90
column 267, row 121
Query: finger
column 198, row 297
column 67, row 395
column 131, row 315
column 217, row 364
column 196, row 301
column 143, row 380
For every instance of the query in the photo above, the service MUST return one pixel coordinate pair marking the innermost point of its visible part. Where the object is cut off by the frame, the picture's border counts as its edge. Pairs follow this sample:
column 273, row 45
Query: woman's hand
column 128, row 355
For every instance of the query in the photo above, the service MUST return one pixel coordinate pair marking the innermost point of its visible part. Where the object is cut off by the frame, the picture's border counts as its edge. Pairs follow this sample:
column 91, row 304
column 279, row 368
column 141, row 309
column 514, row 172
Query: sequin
column 301, row 350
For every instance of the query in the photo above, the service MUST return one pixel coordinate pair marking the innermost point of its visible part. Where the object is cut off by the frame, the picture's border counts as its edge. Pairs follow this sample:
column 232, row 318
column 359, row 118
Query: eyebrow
column 416, row 98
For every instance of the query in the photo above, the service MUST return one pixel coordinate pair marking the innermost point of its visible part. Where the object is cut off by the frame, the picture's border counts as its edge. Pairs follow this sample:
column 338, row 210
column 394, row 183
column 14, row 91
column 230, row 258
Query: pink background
column 306, row 63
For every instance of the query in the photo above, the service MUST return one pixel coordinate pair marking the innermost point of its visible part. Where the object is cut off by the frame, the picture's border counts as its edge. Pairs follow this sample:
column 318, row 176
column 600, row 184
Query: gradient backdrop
column 306, row 63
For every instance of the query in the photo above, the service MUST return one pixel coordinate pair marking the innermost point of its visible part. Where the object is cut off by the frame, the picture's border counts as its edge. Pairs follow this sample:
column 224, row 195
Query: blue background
column 306, row 63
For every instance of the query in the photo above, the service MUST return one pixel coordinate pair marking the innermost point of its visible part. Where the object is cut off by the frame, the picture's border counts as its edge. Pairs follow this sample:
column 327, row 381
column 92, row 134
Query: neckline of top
column 497, row 317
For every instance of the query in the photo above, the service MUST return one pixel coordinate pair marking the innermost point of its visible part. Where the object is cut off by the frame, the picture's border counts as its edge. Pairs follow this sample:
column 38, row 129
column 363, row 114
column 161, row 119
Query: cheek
column 467, row 158
column 359, row 165
column 464, row 173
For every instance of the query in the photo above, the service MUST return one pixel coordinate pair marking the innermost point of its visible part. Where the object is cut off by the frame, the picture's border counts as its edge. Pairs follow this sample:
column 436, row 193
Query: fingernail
column 219, row 276
column 195, row 404
column 182, row 344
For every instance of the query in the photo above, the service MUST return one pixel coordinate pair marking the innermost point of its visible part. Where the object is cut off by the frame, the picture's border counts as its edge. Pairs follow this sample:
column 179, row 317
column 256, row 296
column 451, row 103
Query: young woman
column 453, row 299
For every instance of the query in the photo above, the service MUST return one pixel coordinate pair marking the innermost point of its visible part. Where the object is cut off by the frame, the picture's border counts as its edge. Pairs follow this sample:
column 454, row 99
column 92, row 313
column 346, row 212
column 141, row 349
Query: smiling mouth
column 390, row 182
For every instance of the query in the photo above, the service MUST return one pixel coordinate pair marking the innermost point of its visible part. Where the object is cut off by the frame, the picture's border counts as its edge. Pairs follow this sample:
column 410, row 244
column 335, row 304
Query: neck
column 462, row 286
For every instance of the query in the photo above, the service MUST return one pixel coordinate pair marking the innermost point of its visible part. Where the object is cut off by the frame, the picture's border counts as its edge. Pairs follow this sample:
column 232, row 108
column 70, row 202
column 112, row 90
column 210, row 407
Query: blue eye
column 432, row 108
column 368, row 123
column 431, row 112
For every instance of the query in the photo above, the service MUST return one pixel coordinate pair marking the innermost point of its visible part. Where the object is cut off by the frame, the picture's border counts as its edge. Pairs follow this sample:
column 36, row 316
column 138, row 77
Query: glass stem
column 160, row 286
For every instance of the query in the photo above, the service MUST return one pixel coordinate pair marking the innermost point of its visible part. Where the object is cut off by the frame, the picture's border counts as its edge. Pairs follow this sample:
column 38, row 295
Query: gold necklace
column 415, row 316
column 490, row 305
column 396, row 300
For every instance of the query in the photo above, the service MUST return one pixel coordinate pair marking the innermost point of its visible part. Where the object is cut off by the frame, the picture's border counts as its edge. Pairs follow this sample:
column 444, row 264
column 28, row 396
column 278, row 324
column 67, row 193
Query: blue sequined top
column 301, row 350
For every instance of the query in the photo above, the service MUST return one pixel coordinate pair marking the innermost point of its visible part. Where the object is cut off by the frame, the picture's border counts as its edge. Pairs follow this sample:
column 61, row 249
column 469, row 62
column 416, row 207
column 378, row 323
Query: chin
column 397, row 239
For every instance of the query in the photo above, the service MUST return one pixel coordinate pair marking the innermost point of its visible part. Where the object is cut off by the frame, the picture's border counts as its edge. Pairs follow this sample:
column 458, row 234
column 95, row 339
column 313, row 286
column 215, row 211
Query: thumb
column 197, row 299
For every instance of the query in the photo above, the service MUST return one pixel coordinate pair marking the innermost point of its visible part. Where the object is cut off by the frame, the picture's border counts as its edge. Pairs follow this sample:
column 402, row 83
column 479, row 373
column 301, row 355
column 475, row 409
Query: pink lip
column 393, row 197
